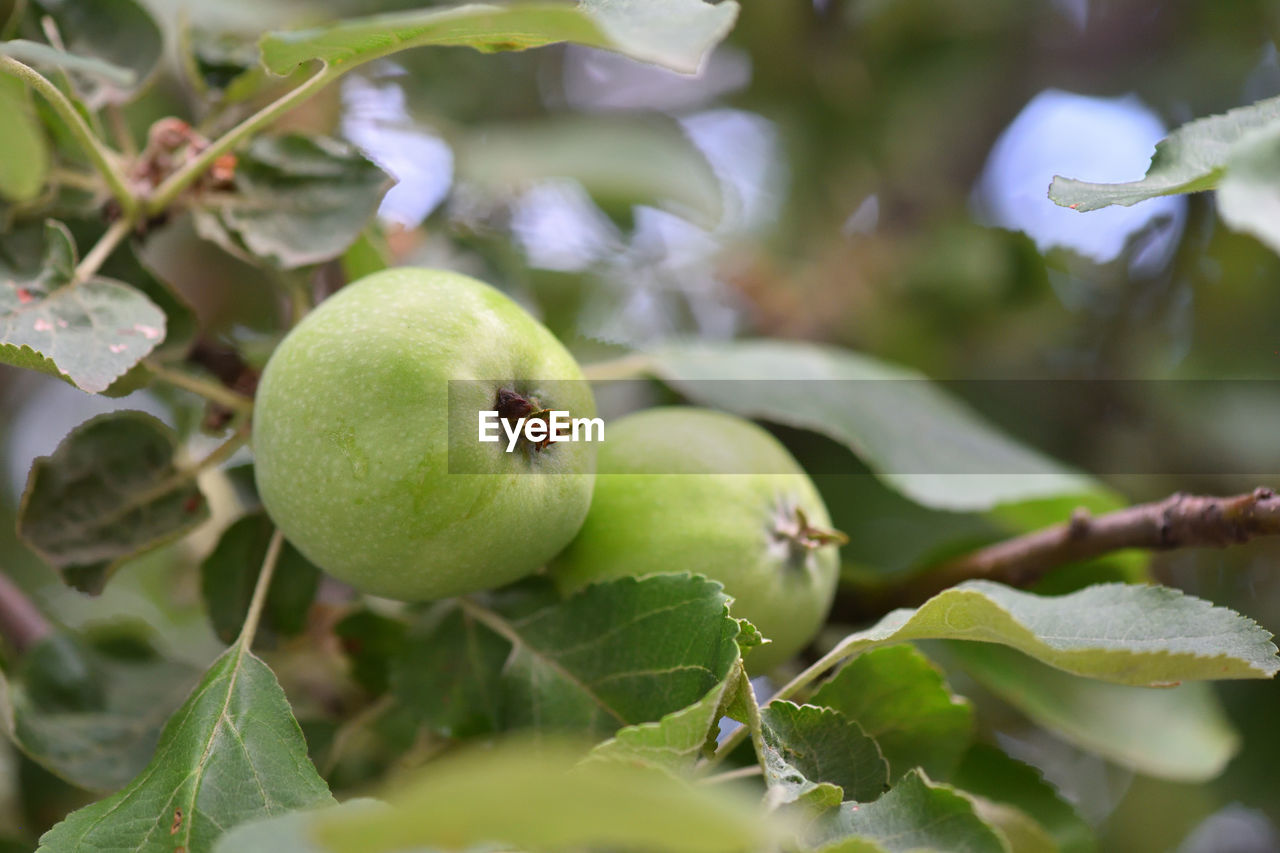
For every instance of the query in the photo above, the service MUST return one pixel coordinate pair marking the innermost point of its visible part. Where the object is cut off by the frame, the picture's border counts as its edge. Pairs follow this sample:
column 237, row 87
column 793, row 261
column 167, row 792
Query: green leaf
column 297, row 200
column 44, row 56
column 901, row 699
column 676, row 34
column 24, row 153
column 915, row 817
column 119, row 32
column 223, row 63
column 102, row 732
column 229, row 574
column 993, row 775
column 913, row 436
column 616, row 654
column 620, row 162
column 1019, row 831
column 109, row 492
column 371, row 642
column 89, row 333
column 676, row 741
column 1192, row 158
column 814, row 754
column 367, row 255
column 1139, row 635
column 231, row 753
column 1178, row 733
column 540, row 798
column 447, row 671
column 1249, row 195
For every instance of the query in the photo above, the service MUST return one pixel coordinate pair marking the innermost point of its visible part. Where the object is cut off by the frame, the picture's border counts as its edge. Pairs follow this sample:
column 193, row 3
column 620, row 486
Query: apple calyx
column 801, row 537
column 513, row 406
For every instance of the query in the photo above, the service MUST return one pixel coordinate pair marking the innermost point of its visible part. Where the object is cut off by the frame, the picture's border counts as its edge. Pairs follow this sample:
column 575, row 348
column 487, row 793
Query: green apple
column 686, row 489
column 368, row 456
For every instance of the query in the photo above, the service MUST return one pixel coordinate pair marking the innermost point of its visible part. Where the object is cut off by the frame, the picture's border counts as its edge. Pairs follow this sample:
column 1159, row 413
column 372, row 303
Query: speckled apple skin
column 682, row 489
column 350, row 438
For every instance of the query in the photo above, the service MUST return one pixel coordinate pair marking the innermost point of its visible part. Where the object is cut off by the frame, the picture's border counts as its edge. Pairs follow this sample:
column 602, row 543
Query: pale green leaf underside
column 1178, row 733
column 672, row 33
column 1249, row 195
column 44, row 56
column 24, row 154
column 910, row 432
column 231, row 753
column 1139, row 635
column 1190, row 159
column 819, row 756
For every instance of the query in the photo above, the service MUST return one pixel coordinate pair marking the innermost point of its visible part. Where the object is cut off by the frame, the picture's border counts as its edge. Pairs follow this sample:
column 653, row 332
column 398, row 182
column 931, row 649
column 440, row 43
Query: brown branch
column 1179, row 521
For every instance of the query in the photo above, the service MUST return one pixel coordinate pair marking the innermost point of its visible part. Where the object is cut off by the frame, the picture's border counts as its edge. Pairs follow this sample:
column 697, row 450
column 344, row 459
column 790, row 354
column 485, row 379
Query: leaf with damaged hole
column 675, row 742
column 902, row 700
column 231, row 753
column 676, row 34
column 109, row 492
column 102, row 733
column 296, row 200
column 814, row 754
column 915, row 816
column 230, row 573
column 89, row 333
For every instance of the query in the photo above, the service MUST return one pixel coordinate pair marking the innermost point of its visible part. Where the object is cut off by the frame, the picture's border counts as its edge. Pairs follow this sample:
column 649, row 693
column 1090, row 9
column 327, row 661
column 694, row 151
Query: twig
column 212, row 392
column 102, row 250
column 165, row 194
column 103, row 158
column 20, row 622
column 250, row 627
column 1179, row 521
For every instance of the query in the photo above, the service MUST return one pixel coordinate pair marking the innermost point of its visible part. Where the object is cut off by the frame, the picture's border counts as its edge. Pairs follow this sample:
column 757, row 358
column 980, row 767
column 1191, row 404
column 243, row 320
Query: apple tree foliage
column 608, row 733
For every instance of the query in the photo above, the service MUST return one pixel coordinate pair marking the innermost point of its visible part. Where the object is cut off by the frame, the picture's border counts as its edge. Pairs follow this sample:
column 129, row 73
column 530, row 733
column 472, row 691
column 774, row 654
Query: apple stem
column 803, row 536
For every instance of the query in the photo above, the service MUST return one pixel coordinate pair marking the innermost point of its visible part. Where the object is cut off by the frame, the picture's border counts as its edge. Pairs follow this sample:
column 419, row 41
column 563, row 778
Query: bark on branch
column 1179, row 521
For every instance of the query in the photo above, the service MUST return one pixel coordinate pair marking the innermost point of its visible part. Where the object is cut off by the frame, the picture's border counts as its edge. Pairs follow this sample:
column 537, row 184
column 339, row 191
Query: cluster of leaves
column 633, row 722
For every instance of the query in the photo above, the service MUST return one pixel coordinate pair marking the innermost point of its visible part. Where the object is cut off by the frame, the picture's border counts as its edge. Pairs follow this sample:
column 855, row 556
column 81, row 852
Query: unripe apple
column 683, row 489
column 351, row 437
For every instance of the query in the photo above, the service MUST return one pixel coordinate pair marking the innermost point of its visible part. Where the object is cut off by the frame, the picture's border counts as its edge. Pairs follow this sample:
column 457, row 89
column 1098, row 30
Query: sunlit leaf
column 1192, row 158
column 1139, row 635
column 88, row 332
column 900, row 699
column 1175, row 733
column 109, row 492
column 231, row 753
column 910, row 432
column 673, row 33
